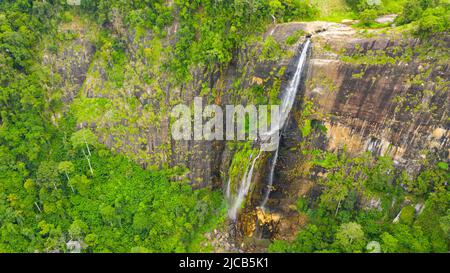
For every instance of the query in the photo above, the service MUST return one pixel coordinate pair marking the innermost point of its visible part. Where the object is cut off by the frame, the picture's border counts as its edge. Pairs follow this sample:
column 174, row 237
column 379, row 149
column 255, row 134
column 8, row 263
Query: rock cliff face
column 393, row 103
column 88, row 75
column 372, row 91
column 127, row 79
column 70, row 60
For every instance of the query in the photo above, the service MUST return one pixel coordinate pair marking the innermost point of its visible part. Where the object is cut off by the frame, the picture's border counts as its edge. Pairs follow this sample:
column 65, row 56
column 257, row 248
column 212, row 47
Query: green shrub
column 433, row 20
column 407, row 215
column 294, row 37
column 298, row 10
column 426, row 13
column 361, row 5
column 368, row 16
column 411, row 12
column 302, row 204
column 271, row 50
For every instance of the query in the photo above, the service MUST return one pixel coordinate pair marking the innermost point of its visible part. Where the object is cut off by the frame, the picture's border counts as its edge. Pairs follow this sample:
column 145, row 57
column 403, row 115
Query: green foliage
column 332, row 10
column 431, row 178
column 407, row 215
column 241, row 160
column 347, row 220
column 444, row 223
column 271, row 50
column 368, row 16
column 434, row 20
column 373, row 247
column 433, row 220
column 306, row 129
column 363, row 5
column 152, row 14
column 443, row 166
column 411, row 12
column 350, row 237
column 121, row 206
column 289, row 10
column 389, row 243
column 84, row 137
column 410, row 239
column 302, row 205
column 210, row 31
column 294, row 37
column 393, row 6
column 381, row 175
column 49, row 193
column 307, row 240
column 428, row 16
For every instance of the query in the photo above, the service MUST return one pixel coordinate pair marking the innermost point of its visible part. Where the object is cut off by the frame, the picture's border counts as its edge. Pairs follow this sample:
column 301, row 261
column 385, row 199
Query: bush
column 292, row 39
column 434, row 20
column 302, row 205
column 368, row 17
column 419, row 9
column 362, row 5
column 411, row 12
column 407, row 215
column 271, row 50
column 292, row 10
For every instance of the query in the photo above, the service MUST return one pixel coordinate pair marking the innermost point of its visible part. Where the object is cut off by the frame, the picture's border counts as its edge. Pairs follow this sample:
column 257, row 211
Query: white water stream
column 287, row 101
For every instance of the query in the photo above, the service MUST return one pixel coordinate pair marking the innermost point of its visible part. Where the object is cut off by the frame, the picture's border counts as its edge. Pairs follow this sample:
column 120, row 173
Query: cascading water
column 243, row 189
column 287, row 101
column 288, row 96
column 271, row 174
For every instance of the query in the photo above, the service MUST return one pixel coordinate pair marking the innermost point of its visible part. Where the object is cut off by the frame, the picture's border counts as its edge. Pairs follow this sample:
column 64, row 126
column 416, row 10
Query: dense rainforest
column 85, row 89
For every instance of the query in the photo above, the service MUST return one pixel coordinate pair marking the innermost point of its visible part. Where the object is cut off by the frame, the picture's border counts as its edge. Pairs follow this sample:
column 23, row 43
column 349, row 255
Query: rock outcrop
column 373, row 92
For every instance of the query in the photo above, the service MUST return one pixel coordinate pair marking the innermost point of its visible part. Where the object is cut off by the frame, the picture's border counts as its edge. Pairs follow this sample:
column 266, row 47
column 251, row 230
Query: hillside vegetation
column 61, row 179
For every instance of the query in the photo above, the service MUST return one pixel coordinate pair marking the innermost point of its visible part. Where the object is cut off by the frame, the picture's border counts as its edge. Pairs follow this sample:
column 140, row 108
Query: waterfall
column 228, row 191
column 288, row 97
column 287, row 101
column 243, row 189
column 270, row 182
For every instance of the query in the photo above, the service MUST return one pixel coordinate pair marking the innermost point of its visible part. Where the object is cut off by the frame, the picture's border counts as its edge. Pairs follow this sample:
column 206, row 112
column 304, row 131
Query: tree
column 350, row 237
column 433, row 20
column 407, row 215
column 410, row 239
column 309, row 240
column 389, row 243
column 77, row 229
column 373, row 247
column 411, row 12
column 84, row 137
column 81, row 184
column 368, row 16
column 276, row 9
column 360, row 5
column 66, row 167
column 109, row 215
column 47, row 174
column 444, row 223
column 381, row 175
column 337, row 189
